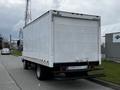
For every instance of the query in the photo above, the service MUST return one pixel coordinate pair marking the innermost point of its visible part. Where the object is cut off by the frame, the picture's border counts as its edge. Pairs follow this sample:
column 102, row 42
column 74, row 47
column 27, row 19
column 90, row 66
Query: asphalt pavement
column 14, row 77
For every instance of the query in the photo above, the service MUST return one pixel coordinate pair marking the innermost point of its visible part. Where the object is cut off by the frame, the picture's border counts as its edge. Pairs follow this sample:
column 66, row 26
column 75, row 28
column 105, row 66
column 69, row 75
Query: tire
column 50, row 74
column 43, row 73
column 25, row 65
column 40, row 72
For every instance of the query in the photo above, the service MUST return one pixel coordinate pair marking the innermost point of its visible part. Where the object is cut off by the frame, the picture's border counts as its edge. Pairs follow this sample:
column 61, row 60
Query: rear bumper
column 95, row 63
column 64, row 66
column 90, row 72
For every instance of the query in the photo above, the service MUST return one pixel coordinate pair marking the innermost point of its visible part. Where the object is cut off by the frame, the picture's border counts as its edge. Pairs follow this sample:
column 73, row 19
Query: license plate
column 76, row 67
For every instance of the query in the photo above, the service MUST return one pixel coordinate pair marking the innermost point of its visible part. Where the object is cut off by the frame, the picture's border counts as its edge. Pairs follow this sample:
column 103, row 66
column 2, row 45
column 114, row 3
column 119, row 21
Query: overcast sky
column 12, row 11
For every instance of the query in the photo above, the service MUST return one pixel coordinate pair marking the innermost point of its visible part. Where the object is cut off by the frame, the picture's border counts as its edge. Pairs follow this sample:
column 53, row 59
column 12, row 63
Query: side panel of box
column 37, row 40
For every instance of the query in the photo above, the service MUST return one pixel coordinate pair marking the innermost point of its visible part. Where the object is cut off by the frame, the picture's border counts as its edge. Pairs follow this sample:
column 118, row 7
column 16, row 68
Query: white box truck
column 62, row 42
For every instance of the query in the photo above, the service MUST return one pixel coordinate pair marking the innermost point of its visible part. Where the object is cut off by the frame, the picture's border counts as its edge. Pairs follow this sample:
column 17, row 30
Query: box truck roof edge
column 89, row 17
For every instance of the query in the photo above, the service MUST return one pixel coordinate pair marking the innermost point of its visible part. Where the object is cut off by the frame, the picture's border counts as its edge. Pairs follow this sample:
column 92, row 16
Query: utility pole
column 21, row 34
column 10, row 41
column 28, row 17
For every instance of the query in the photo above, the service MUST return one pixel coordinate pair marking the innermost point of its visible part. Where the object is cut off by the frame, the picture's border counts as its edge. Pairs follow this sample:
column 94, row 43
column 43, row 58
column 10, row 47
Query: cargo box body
column 62, row 37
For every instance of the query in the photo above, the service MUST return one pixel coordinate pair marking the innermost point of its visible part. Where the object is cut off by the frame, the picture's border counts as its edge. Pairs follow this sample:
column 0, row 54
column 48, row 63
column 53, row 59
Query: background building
column 112, row 45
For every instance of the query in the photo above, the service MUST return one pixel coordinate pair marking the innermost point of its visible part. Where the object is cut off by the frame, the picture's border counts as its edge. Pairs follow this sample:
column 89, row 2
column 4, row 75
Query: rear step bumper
column 92, row 71
column 81, row 70
column 76, row 63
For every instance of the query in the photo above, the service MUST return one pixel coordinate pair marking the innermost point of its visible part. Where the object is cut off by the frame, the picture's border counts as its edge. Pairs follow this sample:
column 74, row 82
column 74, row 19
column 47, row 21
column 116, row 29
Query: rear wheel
column 40, row 73
column 43, row 73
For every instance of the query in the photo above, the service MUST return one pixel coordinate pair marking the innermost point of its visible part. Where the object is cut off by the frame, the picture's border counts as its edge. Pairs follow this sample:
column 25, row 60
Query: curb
column 105, row 83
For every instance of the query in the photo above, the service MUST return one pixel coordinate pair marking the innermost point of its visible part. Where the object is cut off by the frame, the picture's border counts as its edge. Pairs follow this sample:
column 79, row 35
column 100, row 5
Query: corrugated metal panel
column 76, row 40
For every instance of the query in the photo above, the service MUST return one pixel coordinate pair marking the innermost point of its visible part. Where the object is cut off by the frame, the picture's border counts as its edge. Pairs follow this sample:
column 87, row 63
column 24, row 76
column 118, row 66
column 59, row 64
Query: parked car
column 5, row 51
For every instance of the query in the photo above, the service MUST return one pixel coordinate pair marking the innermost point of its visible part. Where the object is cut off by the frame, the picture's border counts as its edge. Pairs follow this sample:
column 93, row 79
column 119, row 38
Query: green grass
column 112, row 71
column 16, row 52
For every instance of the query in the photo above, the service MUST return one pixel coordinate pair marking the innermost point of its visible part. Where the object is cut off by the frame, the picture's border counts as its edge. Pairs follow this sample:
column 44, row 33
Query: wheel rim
column 38, row 72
